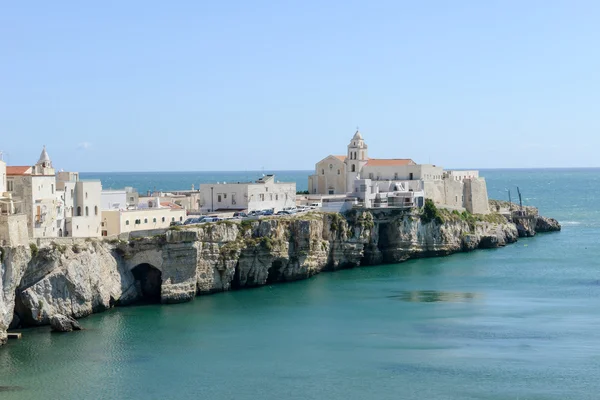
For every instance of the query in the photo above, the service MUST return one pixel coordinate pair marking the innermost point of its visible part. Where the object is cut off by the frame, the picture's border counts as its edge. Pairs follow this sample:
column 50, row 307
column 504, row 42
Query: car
column 209, row 219
column 267, row 212
column 240, row 214
column 255, row 213
column 284, row 212
column 176, row 223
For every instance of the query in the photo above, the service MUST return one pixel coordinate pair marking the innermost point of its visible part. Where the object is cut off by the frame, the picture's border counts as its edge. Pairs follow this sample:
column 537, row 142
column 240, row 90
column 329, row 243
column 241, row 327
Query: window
column 330, row 166
column 154, row 220
column 233, row 198
column 102, row 224
column 180, row 219
column 86, row 195
column 52, row 187
column 145, row 220
column 370, row 175
column 71, row 193
column 87, row 211
column 276, row 197
column 338, row 171
column 173, row 219
column 395, row 175
column 262, row 197
column 95, row 210
column 322, row 172
column 353, row 168
column 266, row 189
column 271, row 196
column 138, row 221
column 163, row 219
column 218, row 198
column 126, row 222
column 224, row 195
column 10, row 186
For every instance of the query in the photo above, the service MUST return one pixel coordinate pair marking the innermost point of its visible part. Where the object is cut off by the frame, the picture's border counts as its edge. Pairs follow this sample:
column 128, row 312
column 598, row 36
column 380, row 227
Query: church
column 358, row 175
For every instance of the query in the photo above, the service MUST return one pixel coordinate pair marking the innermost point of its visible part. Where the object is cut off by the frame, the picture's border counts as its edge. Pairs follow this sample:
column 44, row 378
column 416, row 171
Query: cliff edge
column 75, row 278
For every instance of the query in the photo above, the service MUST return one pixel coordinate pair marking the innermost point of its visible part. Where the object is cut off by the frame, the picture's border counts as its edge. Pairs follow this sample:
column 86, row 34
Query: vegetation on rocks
column 431, row 213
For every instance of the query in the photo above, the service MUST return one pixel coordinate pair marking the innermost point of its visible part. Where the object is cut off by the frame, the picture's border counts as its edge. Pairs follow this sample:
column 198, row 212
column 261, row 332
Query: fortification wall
column 13, row 230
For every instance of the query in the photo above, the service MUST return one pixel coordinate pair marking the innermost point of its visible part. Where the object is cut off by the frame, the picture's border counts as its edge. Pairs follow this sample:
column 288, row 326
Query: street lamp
column 212, row 200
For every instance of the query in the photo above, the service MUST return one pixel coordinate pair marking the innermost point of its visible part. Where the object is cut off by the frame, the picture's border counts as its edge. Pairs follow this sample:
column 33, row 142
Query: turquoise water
column 521, row 322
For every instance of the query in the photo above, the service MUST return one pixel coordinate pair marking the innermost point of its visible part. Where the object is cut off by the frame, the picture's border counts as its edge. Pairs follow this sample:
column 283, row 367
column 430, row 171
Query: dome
column 357, row 136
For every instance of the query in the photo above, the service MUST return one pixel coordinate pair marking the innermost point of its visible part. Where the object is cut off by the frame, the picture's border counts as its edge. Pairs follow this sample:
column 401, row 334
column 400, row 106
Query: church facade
column 374, row 180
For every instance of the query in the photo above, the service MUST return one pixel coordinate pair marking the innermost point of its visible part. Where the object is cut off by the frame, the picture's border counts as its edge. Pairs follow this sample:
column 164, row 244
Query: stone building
column 159, row 216
column 391, row 182
column 56, row 204
column 263, row 194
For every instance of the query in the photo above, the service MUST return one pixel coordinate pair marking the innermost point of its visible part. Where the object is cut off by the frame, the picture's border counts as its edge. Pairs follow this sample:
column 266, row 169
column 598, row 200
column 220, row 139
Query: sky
column 246, row 85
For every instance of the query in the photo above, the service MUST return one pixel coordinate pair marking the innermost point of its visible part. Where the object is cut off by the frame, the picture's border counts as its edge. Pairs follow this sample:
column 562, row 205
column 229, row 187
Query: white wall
column 330, row 174
column 113, row 199
column 116, row 222
column 248, row 196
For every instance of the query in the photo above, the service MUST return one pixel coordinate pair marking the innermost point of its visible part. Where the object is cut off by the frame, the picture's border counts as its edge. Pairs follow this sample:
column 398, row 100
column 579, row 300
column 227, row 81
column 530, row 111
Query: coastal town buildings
column 396, row 182
column 263, row 194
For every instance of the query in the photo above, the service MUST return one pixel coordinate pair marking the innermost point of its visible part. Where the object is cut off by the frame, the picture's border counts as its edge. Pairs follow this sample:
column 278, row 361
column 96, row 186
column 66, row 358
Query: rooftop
column 389, row 162
column 18, row 170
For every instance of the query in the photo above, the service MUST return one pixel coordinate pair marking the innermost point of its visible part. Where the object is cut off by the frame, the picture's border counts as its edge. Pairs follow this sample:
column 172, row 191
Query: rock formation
column 62, row 323
column 73, row 278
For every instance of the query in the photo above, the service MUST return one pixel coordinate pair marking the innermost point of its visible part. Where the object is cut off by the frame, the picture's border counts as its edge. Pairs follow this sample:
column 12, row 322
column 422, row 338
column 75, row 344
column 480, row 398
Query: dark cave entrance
column 275, row 272
column 149, row 279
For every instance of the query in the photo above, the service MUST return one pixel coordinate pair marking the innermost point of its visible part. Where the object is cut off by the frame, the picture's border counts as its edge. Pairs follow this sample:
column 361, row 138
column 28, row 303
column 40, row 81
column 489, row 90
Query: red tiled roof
column 341, row 158
column 18, row 170
column 389, row 162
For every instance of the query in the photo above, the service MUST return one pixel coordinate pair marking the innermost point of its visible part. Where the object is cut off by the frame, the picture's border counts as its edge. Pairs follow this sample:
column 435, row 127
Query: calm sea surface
column 521, row 322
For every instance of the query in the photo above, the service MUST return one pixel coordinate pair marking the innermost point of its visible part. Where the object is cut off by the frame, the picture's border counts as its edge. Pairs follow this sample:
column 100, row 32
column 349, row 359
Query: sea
column 520, row 322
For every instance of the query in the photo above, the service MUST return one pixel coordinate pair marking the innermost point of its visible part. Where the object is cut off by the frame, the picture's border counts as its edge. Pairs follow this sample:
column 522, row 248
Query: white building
column 115, row 222
column 262, row 194
column 391, row 182
column 123, row 199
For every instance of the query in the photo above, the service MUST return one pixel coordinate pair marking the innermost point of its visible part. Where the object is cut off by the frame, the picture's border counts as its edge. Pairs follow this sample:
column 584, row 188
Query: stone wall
column 13, row 230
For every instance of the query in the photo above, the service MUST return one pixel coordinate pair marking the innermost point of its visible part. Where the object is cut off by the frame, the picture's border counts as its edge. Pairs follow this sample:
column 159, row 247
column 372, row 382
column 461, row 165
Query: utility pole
column 212, row 200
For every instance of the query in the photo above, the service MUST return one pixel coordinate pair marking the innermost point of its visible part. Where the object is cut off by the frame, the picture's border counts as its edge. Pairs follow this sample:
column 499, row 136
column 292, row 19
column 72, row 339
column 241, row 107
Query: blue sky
column 246, row 85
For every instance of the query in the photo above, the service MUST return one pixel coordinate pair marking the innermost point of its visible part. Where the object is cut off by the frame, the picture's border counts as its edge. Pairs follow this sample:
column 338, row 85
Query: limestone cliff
column 75, row 277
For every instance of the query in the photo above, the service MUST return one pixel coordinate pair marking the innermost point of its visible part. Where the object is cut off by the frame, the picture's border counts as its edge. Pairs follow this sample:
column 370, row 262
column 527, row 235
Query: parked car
column 240, row 215
column 176, row 223
column 284, row 212
column 267, row 212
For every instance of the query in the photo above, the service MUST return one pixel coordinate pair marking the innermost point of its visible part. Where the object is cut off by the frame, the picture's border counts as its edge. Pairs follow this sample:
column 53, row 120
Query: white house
column 159, row 216
column 82, row 200
column 263, row 194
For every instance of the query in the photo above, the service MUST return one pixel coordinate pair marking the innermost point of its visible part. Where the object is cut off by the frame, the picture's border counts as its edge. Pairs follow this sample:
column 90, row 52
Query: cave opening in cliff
column 274, row 273
column 149, row 279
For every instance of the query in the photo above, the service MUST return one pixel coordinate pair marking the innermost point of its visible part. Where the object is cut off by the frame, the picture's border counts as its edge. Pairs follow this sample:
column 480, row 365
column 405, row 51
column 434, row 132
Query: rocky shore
column 72, row 278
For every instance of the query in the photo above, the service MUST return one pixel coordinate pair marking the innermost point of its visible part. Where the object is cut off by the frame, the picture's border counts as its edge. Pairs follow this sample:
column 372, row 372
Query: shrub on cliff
column 431, row 213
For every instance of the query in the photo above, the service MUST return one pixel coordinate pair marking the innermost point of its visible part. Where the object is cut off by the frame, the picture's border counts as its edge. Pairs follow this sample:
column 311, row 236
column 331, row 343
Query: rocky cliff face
column 75, row 278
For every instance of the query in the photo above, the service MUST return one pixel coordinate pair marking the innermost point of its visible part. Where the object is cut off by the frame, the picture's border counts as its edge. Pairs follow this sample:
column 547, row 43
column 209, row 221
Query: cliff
column 76, row 277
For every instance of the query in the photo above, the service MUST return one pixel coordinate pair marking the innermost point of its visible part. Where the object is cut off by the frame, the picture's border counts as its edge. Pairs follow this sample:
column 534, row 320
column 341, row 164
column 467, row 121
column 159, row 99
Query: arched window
column 355, row 155
column 86, row 195
column 173, row 219
column 127, row 222
column 330, row 166
column 338, row 171
column 145, row 220
column 87, row 211
column 71, row 193
column 79, row 211
column 154, row 220
column 353, row 168
column 95, row 210
column 322, row 172
column 163, row 219
column 180, row 219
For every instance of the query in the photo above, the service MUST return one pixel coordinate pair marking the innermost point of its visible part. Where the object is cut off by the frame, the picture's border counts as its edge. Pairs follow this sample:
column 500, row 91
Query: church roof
column 357, row 136
column 341, row 158
column 44, row 157
column 389, row 162
column 18, row 170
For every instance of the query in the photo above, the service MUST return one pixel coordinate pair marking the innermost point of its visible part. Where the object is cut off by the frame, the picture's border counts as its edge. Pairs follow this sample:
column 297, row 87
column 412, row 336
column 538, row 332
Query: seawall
column 76, row 278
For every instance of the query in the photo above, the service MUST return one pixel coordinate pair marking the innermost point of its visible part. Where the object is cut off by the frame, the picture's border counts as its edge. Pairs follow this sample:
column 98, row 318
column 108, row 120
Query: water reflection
column 432, row 296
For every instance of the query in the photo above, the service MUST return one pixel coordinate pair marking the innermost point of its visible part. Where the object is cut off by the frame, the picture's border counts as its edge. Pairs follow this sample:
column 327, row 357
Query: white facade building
column 115, row 222
column 382, row 182
column 263, row 194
